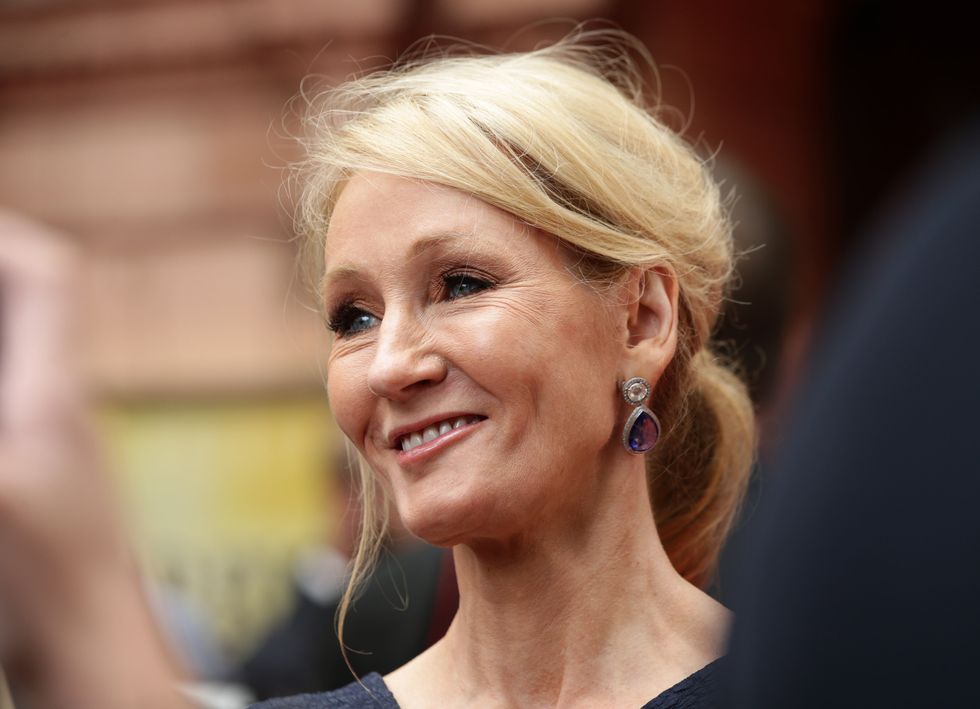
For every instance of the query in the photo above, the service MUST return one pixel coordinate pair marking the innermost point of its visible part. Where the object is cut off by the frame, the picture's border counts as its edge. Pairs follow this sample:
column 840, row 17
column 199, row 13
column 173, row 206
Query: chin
column 445, row 520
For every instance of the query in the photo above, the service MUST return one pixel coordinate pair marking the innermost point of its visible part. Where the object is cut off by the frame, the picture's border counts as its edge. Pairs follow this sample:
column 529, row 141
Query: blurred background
column 157, row 134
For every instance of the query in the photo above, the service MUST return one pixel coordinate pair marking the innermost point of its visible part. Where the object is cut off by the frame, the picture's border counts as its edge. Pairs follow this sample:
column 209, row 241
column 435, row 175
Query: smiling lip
column 430, row 448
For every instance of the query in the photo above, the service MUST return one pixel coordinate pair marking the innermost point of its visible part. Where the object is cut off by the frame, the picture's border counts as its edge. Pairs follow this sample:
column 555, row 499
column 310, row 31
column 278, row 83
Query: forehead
column 385, row 214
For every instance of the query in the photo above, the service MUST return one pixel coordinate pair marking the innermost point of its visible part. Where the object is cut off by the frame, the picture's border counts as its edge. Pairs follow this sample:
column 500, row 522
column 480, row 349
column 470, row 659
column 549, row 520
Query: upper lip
column 395, row 434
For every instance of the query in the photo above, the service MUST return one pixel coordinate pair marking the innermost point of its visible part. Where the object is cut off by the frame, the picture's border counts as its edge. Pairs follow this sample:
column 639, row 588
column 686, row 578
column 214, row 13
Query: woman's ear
column 651, row 322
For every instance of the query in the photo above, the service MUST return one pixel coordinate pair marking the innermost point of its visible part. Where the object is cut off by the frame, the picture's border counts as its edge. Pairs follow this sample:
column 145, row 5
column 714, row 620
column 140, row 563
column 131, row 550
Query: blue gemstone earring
column 642, row 429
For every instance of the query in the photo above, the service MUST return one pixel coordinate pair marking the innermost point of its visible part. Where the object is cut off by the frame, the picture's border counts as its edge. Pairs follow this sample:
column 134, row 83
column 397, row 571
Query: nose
column 404, row 360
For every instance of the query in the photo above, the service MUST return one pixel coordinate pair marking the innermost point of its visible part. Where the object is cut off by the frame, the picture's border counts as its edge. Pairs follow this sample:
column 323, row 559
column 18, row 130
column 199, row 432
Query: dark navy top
column 694, row 692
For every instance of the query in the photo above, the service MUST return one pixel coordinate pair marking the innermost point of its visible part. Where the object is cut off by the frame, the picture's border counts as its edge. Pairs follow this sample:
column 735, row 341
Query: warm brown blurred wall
column 154, row 131
column 752, row 77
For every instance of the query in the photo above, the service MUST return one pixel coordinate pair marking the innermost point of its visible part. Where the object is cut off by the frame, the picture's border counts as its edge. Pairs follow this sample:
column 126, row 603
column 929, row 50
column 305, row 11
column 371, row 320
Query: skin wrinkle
column 451, row 248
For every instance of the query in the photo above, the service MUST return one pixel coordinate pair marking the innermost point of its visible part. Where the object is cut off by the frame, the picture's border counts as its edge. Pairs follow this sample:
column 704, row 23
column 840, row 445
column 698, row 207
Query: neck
column 581, row 603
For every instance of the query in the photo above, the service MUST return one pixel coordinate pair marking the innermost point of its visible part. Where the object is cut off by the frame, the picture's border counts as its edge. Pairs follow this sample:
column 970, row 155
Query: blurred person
column 861, row 579
column 405, row 606
column 187, row 629
column 755, row 318
column 752, row 329
column 862, row 576
column 522, row 269
column 75, row 628
column 60, row 533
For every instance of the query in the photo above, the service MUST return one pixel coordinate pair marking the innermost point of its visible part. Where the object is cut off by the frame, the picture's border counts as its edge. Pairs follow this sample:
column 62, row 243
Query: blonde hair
column 561, row 138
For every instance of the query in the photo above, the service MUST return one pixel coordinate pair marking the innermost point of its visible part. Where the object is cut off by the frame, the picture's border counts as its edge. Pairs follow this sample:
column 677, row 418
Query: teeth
column 430, row 433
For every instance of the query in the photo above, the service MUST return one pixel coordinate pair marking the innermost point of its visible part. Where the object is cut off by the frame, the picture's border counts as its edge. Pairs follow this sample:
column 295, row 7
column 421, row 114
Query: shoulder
column 370, row 693
column 697, row 691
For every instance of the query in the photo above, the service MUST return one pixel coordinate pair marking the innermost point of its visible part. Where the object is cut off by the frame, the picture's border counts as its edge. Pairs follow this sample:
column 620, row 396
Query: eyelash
column 449, row 278
column 342, row 319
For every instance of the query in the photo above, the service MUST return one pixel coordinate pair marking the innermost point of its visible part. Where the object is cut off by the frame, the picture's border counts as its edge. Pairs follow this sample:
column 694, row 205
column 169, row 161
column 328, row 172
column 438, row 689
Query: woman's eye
column 459, row 285
column 350, row 320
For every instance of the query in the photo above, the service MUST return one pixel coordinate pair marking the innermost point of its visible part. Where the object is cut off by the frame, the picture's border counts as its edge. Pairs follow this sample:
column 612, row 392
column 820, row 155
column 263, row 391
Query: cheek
column 551, row 367
column 577, row 373
column 499, row 349
column 349, row 400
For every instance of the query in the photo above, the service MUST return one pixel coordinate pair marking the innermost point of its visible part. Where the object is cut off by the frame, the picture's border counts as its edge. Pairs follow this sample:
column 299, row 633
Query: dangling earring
column 642, row 429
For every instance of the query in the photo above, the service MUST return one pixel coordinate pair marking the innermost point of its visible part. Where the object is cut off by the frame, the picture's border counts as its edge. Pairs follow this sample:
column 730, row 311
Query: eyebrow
column 434, row 241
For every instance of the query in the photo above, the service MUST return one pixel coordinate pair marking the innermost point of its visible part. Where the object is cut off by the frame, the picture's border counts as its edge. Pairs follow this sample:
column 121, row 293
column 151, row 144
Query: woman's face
column 471, row 368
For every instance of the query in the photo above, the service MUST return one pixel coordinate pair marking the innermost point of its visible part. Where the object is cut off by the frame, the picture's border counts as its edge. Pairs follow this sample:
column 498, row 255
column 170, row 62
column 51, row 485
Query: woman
column 522, row 267
column 518, row 260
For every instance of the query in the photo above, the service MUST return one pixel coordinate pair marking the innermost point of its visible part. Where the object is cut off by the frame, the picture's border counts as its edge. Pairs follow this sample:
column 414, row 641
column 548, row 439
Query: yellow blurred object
column 221, row 496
